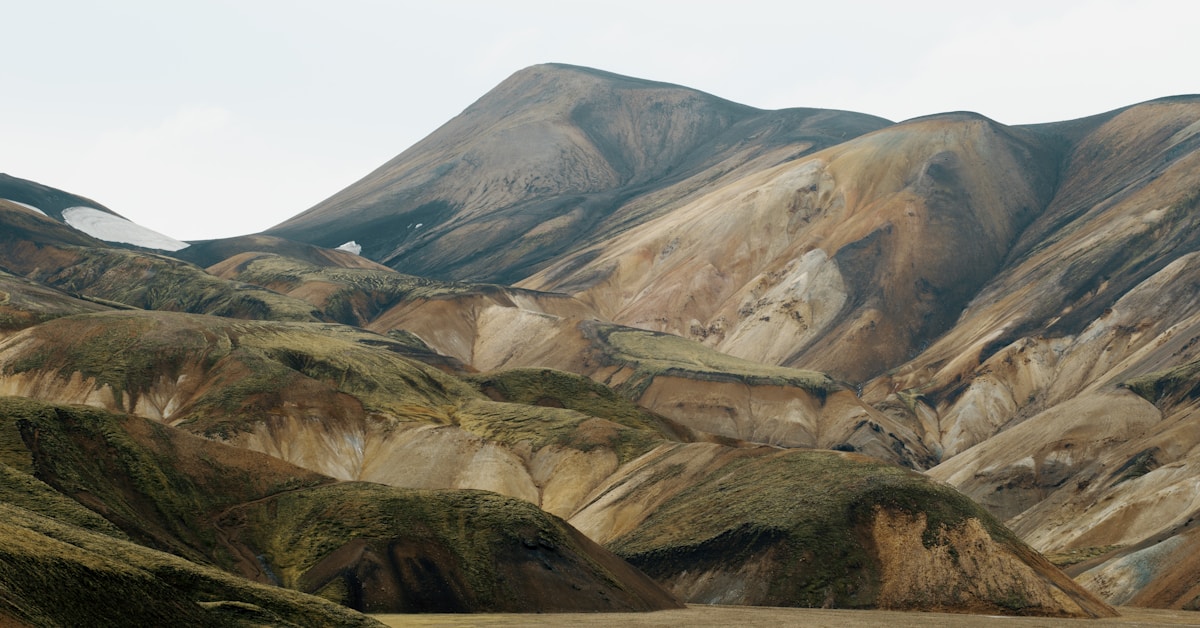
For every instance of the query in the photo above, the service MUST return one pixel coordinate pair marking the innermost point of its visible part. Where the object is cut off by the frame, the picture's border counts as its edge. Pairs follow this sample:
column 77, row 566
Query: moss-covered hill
column 24, row 303
column 651, row 354
column 378, row 549
column 80, row 486
column 51, row 253
column 763, row 526
column 210, row 504
column 158, row 485
column 220, row 377
column 353, row 296
column 216, row 373
column 56, row 574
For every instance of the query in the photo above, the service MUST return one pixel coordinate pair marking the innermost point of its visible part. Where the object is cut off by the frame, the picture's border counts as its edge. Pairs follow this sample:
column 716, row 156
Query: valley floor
column 701, row 615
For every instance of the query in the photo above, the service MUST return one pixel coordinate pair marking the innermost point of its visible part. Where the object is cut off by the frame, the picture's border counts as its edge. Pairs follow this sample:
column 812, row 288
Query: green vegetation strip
column 636, row 429
column 55, row 574
column 360, row 293
column 250, row 362
column 155, row 282
column 479, row 529
column 1168, row 386
column 652, row 354
column 810, row 506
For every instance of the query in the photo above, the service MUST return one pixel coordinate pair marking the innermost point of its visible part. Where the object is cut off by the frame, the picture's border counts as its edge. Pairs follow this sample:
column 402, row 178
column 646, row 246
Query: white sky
column 219, row 118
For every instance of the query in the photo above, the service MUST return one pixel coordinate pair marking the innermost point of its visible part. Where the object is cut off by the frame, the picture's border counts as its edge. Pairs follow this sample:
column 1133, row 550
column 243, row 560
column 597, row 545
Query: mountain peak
column 560, row 154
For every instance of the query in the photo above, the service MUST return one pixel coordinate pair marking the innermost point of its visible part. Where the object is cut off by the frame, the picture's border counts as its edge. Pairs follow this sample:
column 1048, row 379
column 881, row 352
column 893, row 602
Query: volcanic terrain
column 613, row 345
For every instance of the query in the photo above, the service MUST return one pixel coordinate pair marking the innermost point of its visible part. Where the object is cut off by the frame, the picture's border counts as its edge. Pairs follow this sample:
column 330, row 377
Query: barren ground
column 698, row 615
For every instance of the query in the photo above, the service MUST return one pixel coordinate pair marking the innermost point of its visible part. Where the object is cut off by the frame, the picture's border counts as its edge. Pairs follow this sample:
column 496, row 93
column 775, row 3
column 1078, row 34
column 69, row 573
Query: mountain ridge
column 591, row 164
column 709, row 295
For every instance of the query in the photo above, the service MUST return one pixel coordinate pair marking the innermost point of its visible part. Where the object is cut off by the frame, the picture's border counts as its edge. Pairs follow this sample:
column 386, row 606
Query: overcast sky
column 220, row 118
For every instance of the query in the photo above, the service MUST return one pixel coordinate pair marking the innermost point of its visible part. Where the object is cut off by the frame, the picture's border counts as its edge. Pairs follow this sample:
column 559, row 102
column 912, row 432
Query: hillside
column 711, row 353
column 365, row 546
column 598, row 153
column 989, row 291
column 347, row 404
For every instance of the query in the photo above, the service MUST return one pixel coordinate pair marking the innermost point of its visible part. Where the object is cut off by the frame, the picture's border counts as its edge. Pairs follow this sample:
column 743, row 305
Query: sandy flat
column 697, row 615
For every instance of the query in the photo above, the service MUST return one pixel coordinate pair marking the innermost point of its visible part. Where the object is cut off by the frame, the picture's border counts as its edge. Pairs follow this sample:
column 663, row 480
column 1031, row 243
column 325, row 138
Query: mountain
column 554, row 157
column 340, row 403
column 347, row 406
column 722, row 355
column 994, row 299
column 823, row 250
column 83, row 214
column 366, row 546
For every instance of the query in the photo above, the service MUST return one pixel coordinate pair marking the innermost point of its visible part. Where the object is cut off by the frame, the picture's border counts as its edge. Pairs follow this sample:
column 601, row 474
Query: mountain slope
column 598, row 153
column 1013, row 309
column 275, row 523
column 890, row 538
column 974, row 281
column 338, row 400
column 43, row 199
column 870, row 247
column 40, row 249
column 83, row 215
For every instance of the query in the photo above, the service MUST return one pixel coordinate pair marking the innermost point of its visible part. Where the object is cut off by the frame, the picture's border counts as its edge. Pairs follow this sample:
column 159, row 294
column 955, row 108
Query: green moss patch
column 24, row 490
column 55, row 574
column 156, row 484
column 358, row 294
column 393, row 550
column 548, row 388
column 652, row 354
column 803, row 512
column 540, row 427
column 1168, row 387
column 250, row 364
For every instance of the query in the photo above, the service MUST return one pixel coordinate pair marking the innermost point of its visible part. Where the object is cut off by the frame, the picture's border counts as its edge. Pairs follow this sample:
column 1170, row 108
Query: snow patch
column 110, row 228
column 351, row 247
column 25, row 205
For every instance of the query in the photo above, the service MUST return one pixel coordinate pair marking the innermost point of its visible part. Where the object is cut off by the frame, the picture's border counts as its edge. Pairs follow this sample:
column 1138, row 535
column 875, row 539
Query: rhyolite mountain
column 342, row 463
column 798, row 357
column 554, row 157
